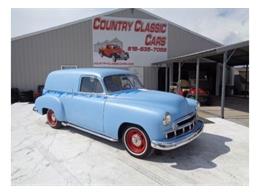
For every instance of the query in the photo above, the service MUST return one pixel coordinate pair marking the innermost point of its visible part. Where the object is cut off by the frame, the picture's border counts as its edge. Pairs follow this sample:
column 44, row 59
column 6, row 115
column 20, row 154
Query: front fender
column 116, row 114
column 50, row 102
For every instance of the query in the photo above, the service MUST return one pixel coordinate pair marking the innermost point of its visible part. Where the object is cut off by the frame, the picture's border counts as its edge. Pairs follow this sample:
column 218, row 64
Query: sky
column 222, row 25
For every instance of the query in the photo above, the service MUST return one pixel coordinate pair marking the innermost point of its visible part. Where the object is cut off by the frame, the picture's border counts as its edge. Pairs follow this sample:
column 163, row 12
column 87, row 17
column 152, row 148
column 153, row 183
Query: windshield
column 121, row 82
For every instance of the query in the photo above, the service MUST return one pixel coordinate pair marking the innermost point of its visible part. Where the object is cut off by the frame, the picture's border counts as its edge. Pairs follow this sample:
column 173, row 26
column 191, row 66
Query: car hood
column 178, row 106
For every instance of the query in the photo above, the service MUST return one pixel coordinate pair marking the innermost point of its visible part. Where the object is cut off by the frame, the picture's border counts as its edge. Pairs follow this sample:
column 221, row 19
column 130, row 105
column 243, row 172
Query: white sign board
column 128, row 41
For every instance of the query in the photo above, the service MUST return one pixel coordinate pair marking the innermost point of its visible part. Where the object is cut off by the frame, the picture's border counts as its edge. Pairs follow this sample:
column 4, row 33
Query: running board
column 90, row 132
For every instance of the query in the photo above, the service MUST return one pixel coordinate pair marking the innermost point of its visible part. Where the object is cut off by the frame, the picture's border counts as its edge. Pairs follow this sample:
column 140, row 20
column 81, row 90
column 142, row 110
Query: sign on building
column 128, row 41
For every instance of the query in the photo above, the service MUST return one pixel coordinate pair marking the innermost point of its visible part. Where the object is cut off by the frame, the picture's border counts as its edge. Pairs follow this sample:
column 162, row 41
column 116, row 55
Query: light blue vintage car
column 112, row 104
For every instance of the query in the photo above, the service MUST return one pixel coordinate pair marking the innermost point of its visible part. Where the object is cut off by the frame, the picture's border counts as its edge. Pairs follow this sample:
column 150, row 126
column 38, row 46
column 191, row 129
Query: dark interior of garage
column 207, row 75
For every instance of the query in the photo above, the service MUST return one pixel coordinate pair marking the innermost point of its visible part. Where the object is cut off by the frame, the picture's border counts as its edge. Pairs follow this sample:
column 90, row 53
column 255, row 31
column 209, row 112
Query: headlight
column 167, row 119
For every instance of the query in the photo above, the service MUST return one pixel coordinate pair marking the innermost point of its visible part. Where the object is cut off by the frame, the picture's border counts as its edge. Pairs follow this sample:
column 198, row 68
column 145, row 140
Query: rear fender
column 50, row 102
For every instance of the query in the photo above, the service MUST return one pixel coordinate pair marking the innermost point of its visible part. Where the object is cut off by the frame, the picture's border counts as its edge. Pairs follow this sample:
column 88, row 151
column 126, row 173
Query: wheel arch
column 124, row 126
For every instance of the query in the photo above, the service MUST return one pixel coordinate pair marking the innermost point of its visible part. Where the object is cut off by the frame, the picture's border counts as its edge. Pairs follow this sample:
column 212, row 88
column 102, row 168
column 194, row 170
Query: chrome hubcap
column 136, row 140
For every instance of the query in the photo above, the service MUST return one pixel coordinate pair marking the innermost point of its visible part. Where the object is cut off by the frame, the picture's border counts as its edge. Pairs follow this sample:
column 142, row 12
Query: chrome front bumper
column 182, row 140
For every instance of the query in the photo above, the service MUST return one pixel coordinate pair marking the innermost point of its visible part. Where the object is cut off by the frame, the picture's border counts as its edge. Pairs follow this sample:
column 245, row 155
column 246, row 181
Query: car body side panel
column 85, row 110
column 144, row 114
column 116, row 113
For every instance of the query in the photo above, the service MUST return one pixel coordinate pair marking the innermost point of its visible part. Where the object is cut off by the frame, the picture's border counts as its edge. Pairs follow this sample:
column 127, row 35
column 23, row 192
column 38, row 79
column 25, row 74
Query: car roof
column 99, row 72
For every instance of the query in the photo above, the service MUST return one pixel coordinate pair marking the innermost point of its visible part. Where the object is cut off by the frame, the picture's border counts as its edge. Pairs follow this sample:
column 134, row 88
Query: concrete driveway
column 45, row 156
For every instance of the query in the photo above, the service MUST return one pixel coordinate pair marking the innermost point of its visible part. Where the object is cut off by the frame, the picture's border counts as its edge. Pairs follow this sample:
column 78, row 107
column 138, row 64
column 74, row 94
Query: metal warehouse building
column 37, row 54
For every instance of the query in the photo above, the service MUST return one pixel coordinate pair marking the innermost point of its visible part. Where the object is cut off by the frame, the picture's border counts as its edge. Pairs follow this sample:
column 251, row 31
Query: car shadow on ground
column 200, row 153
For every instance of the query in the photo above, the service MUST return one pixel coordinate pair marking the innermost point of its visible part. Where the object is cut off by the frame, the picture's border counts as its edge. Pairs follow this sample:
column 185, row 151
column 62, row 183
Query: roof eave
column 205, row 53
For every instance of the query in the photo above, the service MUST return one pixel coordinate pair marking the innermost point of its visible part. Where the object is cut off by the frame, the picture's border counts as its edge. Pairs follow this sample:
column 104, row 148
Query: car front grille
column 182, row 127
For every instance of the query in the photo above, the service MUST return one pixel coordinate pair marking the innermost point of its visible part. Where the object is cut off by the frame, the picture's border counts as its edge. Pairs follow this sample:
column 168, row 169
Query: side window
column 90, row 84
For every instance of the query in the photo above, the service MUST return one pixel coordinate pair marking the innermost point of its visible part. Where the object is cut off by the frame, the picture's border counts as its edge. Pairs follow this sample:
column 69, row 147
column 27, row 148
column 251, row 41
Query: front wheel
column 52, row 120
column 137, row 142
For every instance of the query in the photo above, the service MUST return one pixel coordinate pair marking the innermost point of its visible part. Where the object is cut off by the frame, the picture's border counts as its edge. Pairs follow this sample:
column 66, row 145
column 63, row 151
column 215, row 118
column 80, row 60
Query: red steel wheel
column 137, row 142
column 52, row 121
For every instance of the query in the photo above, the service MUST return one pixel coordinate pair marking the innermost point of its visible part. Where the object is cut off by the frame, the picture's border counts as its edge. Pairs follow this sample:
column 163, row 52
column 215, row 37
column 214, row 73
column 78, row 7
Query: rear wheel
column 137, row 142
column 52, row 120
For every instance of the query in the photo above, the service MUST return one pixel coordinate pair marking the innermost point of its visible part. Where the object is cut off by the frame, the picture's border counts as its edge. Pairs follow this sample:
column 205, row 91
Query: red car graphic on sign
column 113, row 51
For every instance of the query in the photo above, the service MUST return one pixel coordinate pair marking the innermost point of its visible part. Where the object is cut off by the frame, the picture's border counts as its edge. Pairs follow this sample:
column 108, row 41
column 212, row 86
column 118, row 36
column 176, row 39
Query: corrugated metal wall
column 151, row 77
column 35, row 56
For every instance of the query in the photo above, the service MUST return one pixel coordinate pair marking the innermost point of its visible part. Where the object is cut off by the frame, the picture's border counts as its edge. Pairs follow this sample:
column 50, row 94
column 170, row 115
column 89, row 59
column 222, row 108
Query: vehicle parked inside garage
column 203, row 91
column 188, row 89
column 112, row 104
column 183, row 87
column 113, row 51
